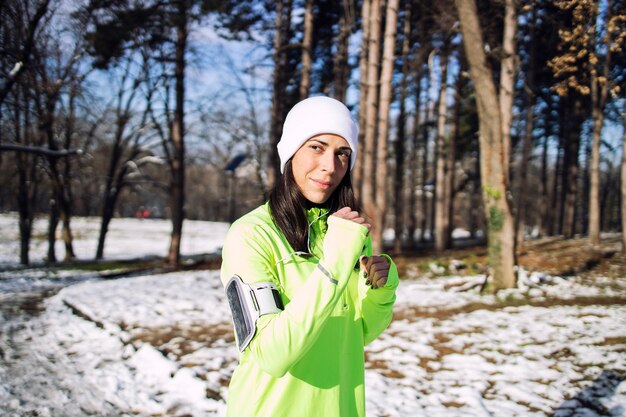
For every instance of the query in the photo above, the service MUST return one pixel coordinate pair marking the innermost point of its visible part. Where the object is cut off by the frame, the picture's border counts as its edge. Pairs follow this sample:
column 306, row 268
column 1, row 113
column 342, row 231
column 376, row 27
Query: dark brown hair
column 288, row 206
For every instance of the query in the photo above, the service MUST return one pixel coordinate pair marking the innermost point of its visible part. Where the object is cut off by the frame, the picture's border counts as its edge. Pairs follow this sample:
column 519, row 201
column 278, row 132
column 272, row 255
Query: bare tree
column 126, row 154
column 493, row 167
column 400, row 143
column 368, row 192
column 386, row 84
column 529, row 94
column 281, row 40
column 623, row 179
column 307, row 50
column 22, row 20
column 363, row 95
column 341, row 65
column 442, row 234
column 507, row 79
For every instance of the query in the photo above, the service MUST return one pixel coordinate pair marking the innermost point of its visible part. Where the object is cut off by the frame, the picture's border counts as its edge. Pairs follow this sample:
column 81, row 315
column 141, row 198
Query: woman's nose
column 328, row 162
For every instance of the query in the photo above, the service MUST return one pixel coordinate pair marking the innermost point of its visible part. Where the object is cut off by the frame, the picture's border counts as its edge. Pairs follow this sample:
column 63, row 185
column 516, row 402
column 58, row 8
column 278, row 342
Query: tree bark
column 363, row 97
column 544, row 217
column 368, row 196
column 507, row 79
column 341, row 66
column 414, row 161
column 307, row 46
column 599, row 94
column 493, row 167
column 441, row 215
column 623, row 180
column 520, row 203
column 386, row 80
column 570, row 170
column 25, row 179
column 177, row 164
column 450, row 189
column 400, row 148
column 428, row 110
column 281, row 33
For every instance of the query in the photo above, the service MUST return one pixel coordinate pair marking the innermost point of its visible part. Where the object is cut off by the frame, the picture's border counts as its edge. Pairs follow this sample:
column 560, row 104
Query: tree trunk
column 426, row 209
column 53, row 222
column 493, row 167
column 450, row 170
column 363, row 97
column 570, row 170
column 59, row 200
column 67, row 189
column 441, row 215
column 401, row 137
column 558, row 197
column 307, row 50
column 523, row 171
column 545, row 225
column 623, row 180
column 368, row 196
column 476, row 215
column 413, row 161
column 520, row 203
column 507, row 79
column 386, row 80
column 599, row 92
column 283, row 17
column 177, row 178
column 341, row 66
column 24, row 180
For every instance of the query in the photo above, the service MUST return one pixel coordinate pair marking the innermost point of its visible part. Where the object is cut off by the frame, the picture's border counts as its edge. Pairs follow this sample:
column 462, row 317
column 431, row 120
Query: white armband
column 247, row 303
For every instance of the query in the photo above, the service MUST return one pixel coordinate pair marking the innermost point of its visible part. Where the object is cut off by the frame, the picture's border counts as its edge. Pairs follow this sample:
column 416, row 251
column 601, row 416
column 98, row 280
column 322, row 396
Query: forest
column 504, row 119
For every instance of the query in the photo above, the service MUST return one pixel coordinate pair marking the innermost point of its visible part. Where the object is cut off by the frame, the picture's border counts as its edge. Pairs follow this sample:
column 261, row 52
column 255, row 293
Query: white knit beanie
column 315, row 116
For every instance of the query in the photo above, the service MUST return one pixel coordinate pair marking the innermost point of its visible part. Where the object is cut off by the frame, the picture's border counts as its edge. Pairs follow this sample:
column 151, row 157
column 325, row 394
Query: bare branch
column 40, row 150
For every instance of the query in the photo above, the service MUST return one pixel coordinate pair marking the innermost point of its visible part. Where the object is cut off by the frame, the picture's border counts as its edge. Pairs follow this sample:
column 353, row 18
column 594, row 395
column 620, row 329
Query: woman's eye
column 344, row 155
column 316, row 147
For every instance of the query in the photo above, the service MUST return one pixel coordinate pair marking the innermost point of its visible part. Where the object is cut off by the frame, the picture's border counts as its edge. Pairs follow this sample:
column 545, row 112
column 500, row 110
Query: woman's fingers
column 348, row 214
column 376, row 269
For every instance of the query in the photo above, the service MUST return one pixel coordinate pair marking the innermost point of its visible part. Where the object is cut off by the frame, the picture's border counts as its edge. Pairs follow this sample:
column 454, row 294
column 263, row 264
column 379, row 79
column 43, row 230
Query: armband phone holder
column 247, row 303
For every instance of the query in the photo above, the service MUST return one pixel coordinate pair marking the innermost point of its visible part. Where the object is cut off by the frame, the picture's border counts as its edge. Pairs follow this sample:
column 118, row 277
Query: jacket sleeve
column 377, row 304
column 282, row 339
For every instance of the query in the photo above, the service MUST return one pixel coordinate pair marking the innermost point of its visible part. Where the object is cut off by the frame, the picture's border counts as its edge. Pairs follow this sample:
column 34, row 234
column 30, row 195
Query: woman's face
column 319, row 166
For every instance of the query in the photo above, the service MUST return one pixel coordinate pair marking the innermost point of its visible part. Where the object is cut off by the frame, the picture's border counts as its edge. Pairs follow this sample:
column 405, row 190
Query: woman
column 306, row 293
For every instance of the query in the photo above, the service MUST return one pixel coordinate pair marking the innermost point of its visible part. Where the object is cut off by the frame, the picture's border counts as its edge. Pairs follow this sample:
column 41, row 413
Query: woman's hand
column 375, row 269
column 352, row 215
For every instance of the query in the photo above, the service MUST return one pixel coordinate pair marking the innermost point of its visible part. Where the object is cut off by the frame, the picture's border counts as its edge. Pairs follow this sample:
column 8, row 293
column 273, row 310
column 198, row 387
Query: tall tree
column 374, row 193
column 363, row 94
column 494, row 177
column 623, row 179
column 587, row 45
column 529, row 95
column 21, row 20
column 164, row 26
column 400, row 143
column 368, row 191
column 307, row 50
column 282, row 36
column 125, row 154
column 441, row 213
column 386, row 89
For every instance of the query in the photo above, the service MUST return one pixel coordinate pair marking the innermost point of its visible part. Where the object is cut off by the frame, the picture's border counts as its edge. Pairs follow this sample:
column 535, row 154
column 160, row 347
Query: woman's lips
column 323, row 184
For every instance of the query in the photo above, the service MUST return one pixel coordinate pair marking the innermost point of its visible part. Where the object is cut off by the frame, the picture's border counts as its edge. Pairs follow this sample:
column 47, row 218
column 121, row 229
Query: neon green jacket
column 307, row 360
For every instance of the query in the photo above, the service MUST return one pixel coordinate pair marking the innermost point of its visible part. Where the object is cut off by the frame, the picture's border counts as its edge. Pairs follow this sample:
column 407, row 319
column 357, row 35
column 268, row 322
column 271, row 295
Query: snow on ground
column 162, row 345
column 126, row 238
